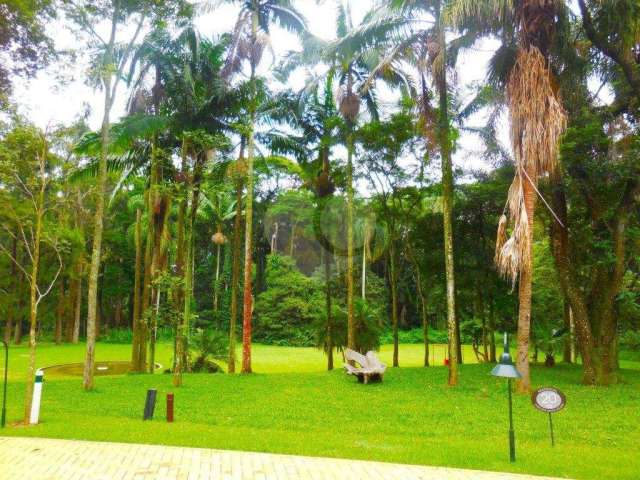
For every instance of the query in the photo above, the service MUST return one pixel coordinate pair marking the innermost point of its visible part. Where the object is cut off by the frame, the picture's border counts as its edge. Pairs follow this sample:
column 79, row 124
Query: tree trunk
column 70, row 310
column 327, row 283
column 566, row 351
column 447, row 213
column 78, row 307
column 235, row 275
column 292, row 240
column 33, row 298
column 137, row 342
column 364, row 264
column 481, row 312
column 60, row 311
column 492, row 331
column 351, row 337
column 394, row 300
column 523, row 385
column 158, row 265
column 247, row 298
column 117, row 314
column 216, row 286
column 96, row 252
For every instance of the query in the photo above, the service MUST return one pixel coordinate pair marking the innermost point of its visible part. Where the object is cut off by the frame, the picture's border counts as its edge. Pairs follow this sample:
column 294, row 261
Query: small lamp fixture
column 506, row 369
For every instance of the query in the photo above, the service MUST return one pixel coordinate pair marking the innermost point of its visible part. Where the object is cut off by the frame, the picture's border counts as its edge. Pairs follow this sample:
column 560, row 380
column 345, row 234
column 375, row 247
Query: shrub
column 285, row 313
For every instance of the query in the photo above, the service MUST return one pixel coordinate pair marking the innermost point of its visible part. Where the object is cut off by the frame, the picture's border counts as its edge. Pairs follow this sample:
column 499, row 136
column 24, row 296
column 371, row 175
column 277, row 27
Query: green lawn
column 292, row 406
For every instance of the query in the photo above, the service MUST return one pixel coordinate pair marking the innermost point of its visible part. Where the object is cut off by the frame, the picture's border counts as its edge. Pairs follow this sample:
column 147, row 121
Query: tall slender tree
column 414, row 32
column 250, row 37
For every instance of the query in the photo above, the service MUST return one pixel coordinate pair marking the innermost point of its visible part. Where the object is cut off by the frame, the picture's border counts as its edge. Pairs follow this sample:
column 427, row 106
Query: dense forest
column 221, row 210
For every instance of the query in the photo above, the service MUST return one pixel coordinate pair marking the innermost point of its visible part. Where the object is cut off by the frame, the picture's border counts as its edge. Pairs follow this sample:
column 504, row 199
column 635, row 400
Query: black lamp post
column 4, row 388
column 506, row 369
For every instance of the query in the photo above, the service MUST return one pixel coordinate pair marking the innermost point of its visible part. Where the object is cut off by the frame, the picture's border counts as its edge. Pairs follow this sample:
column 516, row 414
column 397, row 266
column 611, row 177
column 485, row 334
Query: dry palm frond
column 513, row 254
column 457, row 11
column 537, row 117
column 537, row 122
column 501, row 237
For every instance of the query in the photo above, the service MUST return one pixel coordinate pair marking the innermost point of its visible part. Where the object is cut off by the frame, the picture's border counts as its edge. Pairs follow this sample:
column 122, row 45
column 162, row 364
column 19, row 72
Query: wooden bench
column 370, row 368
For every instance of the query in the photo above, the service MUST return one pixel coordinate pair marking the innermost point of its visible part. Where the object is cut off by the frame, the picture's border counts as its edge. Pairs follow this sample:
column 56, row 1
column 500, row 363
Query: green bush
column 414, row 335
column 125, row 335
column 286, row 312
column 630, row 340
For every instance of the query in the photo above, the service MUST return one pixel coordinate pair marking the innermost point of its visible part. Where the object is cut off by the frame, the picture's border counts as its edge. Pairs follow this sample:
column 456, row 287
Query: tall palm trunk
column 184, row 267
column 216, row 285
column 447, row 208
column 328, row 303
column 235, row 273
column 247, row 298
column 393, row 279
column 137, row 343
column 524, row 295
column 351, row 336
column 365, row 249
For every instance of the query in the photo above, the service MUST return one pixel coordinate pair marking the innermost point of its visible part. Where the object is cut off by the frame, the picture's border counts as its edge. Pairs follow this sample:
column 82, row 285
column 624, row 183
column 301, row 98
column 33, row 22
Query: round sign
column 548, row 399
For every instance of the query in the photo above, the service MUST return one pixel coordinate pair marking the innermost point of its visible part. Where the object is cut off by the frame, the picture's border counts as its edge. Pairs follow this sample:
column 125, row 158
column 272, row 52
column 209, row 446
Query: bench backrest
column 352, row 355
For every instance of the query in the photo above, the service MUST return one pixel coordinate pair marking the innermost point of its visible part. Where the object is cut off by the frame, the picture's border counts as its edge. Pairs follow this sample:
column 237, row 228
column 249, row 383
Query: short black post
column 150, row 404
column 512, row 435
column 4, row 386
column 553, row 441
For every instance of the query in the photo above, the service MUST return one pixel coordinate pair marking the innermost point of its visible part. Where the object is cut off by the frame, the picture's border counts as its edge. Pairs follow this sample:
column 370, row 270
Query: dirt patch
column 77, row 369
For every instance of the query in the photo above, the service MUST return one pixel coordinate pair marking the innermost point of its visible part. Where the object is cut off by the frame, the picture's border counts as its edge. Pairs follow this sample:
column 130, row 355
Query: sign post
column 549, row 400
column 37, row 396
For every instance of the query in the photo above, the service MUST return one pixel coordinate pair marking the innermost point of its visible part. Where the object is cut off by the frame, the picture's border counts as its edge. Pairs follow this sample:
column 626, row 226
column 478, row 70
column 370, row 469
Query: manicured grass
column 293, row 406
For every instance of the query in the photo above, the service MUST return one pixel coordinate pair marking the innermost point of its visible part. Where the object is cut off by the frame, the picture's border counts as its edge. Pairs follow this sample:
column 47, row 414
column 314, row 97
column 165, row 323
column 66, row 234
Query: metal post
column 553, row 442
column 512, row 436
column 4, row 386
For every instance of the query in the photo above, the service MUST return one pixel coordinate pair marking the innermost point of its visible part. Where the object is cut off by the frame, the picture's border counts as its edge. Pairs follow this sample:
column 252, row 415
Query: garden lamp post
column 4, row 385
column 506, row 369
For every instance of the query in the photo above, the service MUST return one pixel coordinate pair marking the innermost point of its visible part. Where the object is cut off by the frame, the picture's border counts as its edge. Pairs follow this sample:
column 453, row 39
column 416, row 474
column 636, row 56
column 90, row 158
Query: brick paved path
column 48, row 459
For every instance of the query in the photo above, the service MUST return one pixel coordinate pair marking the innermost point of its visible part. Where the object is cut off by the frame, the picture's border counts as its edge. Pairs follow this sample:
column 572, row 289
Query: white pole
column 37, row 395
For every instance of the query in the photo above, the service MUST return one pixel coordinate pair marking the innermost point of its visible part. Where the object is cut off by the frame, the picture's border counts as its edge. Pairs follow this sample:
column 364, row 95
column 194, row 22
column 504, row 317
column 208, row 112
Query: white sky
column 44, row 102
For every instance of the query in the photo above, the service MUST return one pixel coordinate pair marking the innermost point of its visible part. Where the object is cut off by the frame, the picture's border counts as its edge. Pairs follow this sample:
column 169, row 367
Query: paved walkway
column 48, row 459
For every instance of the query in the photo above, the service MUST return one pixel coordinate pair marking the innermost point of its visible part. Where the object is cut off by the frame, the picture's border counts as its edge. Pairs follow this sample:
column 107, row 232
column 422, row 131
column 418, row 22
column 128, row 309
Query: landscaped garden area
column 291, row 405
column 404, row 231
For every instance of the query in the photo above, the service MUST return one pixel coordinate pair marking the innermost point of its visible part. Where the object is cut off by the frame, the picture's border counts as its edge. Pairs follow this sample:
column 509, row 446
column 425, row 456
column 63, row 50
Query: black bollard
column 150, row 404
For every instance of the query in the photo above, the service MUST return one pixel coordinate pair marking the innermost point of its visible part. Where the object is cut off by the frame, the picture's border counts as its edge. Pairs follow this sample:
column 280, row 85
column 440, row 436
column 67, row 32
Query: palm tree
column 316, row 123
column 537, row 120
column 413, row 32
column 249, row 39
column 349, row 70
